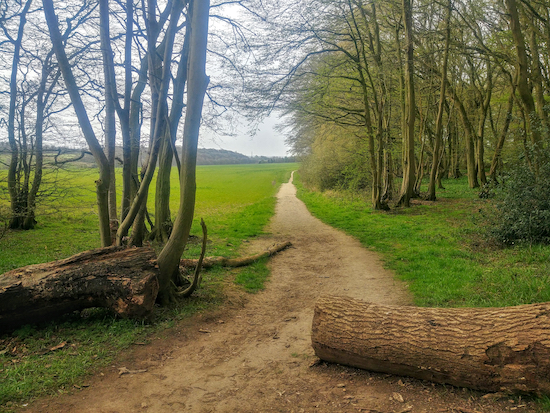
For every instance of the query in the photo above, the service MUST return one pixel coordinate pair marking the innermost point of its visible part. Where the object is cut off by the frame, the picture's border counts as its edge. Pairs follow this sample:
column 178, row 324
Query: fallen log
column 209, row 262
column 123, row 280
column 489, row 349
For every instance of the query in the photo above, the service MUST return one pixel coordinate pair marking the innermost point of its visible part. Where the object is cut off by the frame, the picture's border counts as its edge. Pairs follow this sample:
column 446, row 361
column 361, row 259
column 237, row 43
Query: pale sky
column 267, row 141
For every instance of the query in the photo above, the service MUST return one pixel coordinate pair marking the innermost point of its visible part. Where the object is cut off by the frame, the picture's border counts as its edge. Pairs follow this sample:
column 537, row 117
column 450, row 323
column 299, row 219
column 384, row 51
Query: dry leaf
column 60, row 345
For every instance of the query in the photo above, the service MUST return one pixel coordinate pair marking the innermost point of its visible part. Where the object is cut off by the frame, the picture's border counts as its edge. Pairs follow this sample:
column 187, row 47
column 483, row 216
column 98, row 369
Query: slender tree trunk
column 387, row 195
column 401, row 94
column 163, row 221
column 536, row 78
column 15, row 199
column 161, row 86
column 502, row 137
column 170, row 255
column 110, row 96
column 376, row 190
column 481, row 126
column 524, row 89
column 455, row 148
column 439, row 120
column 103, row 183
column 407, row 187
column 41, row 97
column 469, row 138
column 128, row 185
column 420, row 164
column 132, row 180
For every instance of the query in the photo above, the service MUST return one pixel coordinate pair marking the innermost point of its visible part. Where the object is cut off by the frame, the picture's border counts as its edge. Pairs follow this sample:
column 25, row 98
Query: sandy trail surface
column 255, row 355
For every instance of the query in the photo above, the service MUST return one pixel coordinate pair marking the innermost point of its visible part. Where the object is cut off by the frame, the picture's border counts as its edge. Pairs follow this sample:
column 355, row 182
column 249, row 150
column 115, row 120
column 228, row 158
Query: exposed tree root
column 197, row 276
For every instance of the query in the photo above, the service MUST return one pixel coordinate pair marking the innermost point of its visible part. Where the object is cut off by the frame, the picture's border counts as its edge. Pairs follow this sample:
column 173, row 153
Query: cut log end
column 489, row 349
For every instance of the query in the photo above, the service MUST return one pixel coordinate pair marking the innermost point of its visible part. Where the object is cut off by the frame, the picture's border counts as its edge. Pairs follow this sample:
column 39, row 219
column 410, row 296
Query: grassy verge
column 235, row 201
column 437, row 248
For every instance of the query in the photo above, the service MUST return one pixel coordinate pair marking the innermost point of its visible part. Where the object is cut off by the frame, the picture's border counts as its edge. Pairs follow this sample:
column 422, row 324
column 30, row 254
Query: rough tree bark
column 123, row 280
column 490, row 349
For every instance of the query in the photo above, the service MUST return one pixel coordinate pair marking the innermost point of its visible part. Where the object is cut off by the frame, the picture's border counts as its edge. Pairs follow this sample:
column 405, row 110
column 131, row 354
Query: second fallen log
column 491, row 349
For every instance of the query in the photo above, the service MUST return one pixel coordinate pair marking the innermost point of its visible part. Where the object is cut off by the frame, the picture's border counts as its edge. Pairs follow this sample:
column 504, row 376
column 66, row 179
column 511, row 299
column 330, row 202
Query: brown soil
column 254, row 355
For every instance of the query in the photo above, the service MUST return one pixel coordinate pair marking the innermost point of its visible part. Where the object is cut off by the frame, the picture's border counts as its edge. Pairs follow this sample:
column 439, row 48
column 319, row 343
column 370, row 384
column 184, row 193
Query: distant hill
column 204, row 157
column 225, row 157
column 221, row 157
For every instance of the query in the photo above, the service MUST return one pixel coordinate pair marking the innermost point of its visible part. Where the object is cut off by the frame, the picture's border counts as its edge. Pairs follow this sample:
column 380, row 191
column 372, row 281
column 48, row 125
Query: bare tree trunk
column 407, row 187
column 536, row 78
column 481, row 126
column 163, row 219
column 490, row 349
column 110, row 96
column 470, row 134
column 387, row 194
column 41, row 98
column 17, row 212
column 103, row 183
column 524, row 88
column 158, row 121
column 503, row 133
column 454, row 147
column 170, row 255
column 439, row 120
column 128, row 185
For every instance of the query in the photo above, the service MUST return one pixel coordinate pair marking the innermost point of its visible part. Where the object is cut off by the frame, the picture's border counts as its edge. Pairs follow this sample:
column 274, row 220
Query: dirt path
column 256, row 356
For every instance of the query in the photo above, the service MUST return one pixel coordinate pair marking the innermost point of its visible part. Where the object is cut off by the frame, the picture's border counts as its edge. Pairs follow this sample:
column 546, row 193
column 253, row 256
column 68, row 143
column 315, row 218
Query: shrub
column 523, row 212
column 337, row 164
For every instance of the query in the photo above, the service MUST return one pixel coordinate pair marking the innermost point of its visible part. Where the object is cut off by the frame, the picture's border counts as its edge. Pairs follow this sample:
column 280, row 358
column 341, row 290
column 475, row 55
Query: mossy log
column 121, row 279
column 490, row 349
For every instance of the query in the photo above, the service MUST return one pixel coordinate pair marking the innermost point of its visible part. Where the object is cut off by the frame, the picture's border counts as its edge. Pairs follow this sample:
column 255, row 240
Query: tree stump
column 489, row 349
column 123, row 280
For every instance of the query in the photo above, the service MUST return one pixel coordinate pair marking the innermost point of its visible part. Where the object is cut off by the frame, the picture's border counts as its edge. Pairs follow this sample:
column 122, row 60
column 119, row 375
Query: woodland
column 425, row 90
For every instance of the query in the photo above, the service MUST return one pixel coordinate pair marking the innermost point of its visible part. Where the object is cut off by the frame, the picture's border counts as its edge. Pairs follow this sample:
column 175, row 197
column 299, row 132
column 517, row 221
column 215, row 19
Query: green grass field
column 236, row 203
